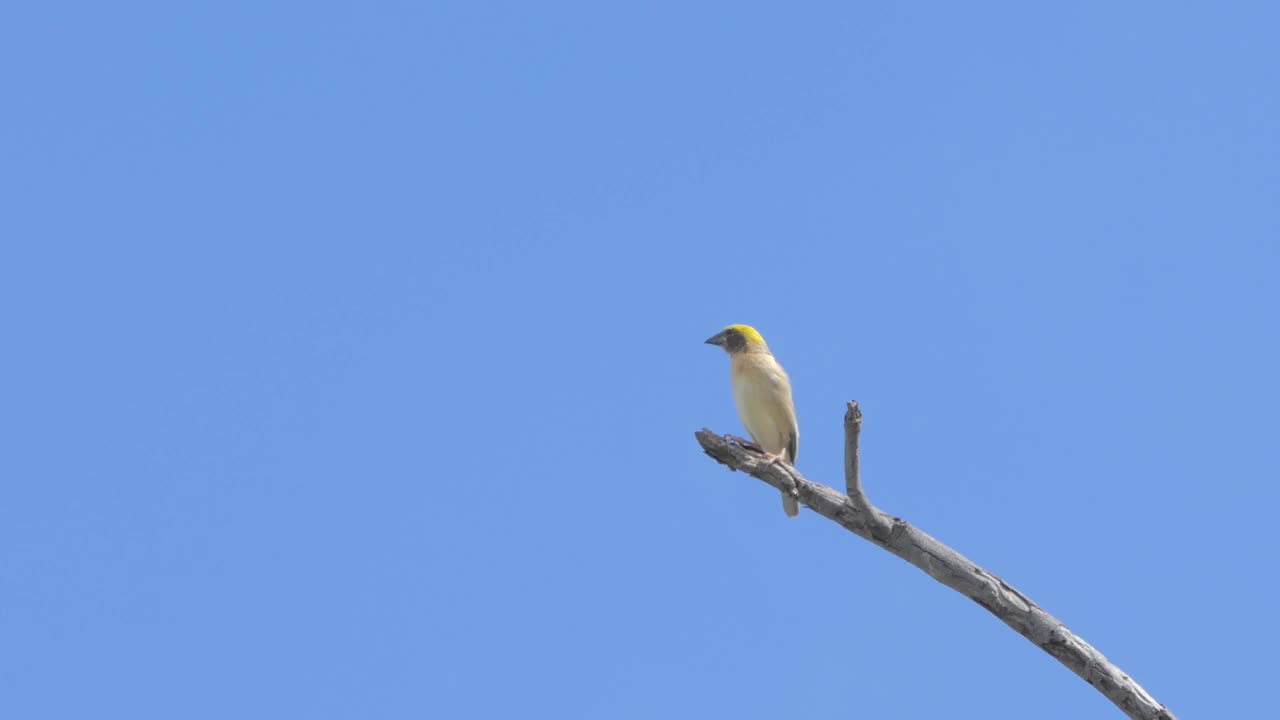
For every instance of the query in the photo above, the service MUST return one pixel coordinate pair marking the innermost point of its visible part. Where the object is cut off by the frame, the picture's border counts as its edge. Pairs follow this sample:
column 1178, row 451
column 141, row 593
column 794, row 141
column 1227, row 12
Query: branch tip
column 853, row 413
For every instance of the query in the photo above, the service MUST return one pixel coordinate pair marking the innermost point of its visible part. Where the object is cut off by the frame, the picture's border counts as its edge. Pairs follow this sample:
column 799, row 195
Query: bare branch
column 857, row 515
column 852, row 475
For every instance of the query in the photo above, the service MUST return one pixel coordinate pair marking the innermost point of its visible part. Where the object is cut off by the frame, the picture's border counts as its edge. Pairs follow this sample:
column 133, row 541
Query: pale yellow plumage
column 762, row 394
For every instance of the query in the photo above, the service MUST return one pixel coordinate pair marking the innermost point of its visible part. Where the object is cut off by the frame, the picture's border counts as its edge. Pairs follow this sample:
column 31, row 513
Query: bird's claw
column 744, row 443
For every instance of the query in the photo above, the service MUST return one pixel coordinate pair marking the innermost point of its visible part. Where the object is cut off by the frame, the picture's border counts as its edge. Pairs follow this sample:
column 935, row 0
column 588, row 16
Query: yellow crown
column 748, row 332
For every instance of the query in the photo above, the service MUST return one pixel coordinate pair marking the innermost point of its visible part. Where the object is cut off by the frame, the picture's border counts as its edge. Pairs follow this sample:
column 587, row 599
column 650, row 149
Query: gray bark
column 857, row 515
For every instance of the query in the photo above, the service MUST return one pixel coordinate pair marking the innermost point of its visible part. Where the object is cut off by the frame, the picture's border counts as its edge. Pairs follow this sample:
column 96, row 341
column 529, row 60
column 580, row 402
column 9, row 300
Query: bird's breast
column 762, row 395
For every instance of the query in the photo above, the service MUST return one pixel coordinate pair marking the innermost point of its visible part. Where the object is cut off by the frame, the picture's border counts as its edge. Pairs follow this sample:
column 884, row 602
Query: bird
column 762, row 395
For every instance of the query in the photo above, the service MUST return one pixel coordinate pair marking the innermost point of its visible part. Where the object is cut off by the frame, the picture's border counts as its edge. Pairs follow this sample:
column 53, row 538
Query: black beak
column 717, row 339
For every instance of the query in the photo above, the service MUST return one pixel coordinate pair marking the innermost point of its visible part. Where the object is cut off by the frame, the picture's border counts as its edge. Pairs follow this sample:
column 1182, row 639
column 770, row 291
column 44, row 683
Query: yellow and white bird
column 762, row 394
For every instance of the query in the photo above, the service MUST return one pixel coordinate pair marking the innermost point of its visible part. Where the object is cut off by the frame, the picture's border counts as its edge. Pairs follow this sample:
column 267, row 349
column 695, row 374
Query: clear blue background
column 353, row 353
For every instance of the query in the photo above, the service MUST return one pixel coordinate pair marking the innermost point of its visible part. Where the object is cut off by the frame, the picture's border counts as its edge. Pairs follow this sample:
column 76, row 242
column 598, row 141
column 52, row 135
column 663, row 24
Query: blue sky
column 355, row 351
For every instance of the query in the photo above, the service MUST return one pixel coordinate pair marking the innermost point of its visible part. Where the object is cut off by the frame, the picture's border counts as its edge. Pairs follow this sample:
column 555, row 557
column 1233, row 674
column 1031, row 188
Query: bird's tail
column 790, row 505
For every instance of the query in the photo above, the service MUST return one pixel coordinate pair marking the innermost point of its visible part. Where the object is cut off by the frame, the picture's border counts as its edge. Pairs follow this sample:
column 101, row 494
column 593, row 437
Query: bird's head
column 738, row 339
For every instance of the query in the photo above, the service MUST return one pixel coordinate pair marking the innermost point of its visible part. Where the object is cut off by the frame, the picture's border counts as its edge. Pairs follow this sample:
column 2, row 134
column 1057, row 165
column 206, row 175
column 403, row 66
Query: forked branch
column 857, row 515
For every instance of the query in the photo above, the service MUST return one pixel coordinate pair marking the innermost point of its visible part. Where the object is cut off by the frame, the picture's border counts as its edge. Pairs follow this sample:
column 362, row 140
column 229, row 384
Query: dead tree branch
column 857, row 515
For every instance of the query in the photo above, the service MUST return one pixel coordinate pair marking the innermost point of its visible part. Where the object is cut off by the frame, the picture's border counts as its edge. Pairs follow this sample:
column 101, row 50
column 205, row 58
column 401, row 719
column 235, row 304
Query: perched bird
column 762, row 394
